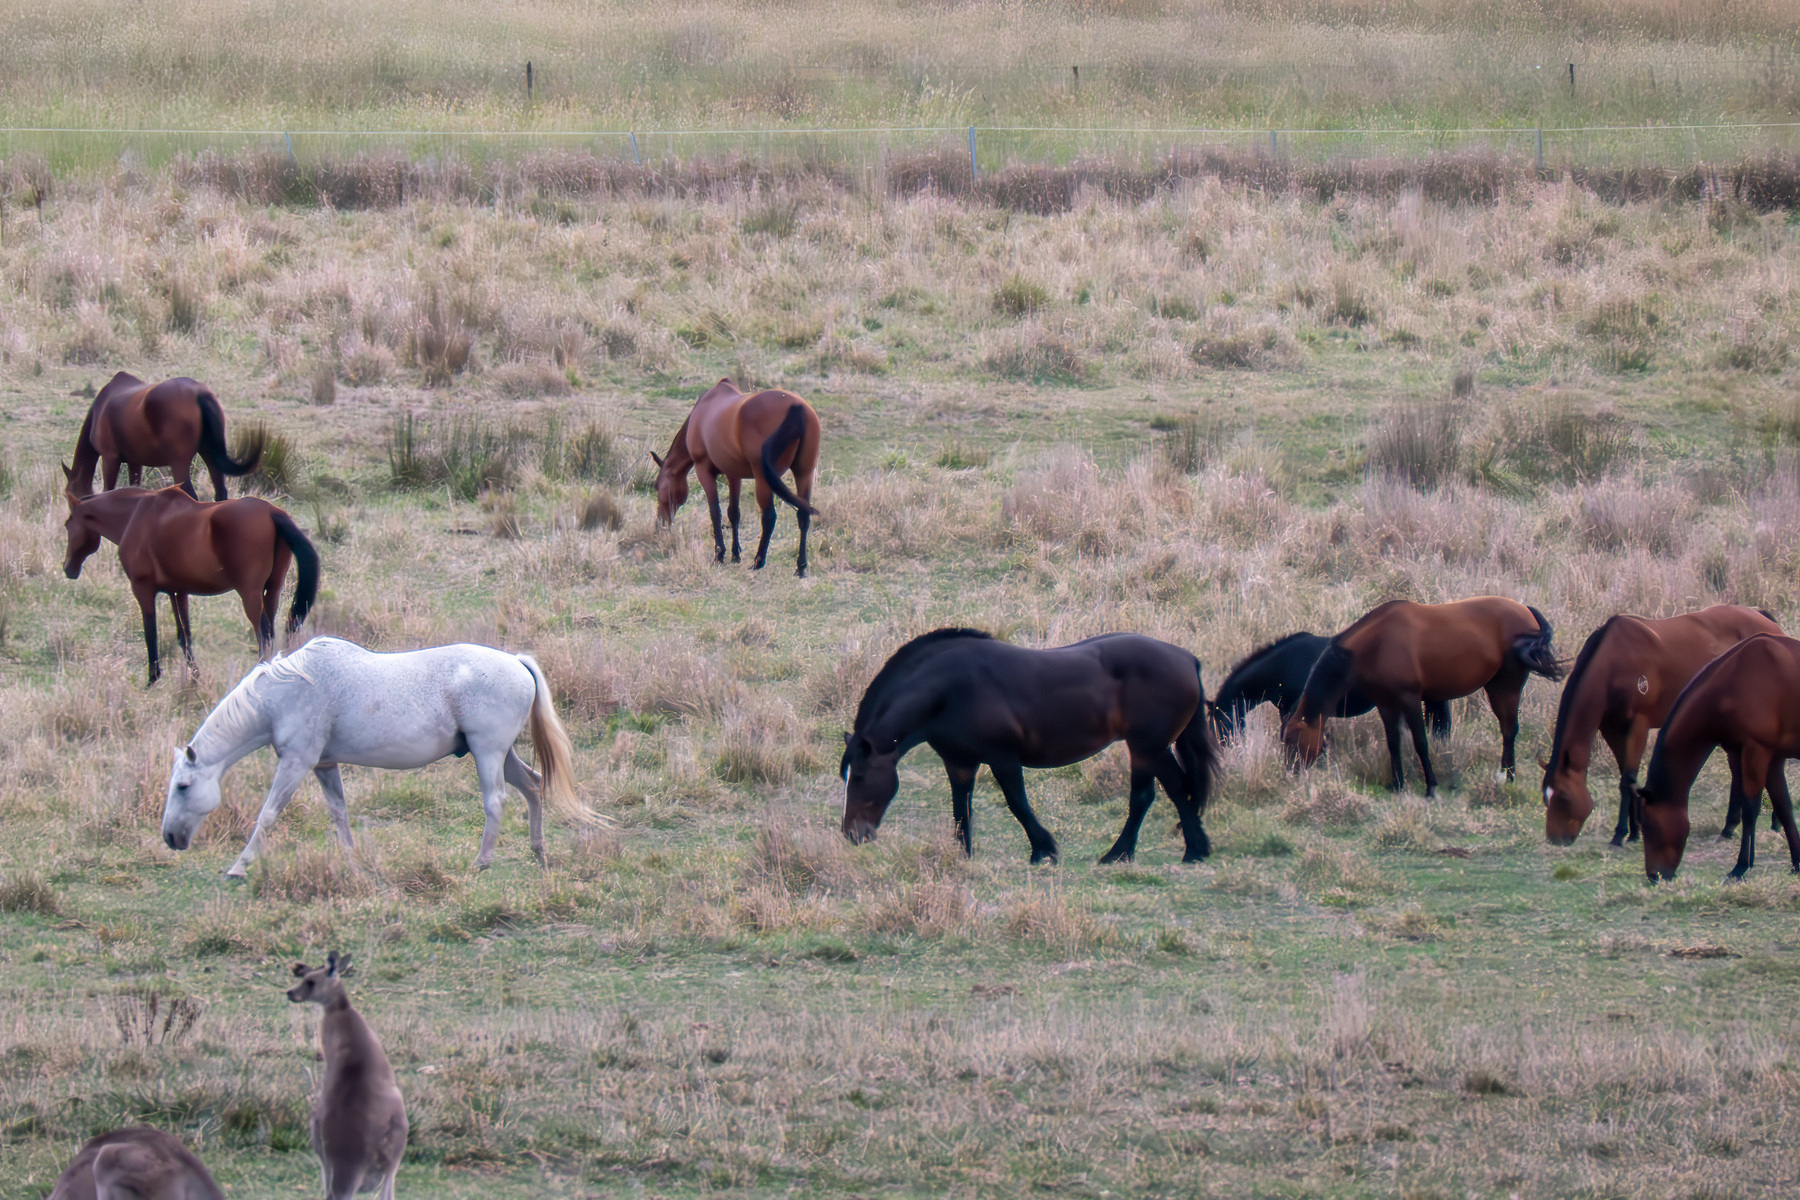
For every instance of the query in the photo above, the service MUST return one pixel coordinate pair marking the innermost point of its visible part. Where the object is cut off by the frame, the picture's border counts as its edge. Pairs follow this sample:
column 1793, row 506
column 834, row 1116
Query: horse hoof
column 1111, row 856
column 1039, row 856
column 1618, row 841
column 1193, row 858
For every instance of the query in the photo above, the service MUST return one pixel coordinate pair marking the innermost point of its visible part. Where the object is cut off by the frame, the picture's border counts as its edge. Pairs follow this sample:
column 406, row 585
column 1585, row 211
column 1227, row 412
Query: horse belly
column 367, row 740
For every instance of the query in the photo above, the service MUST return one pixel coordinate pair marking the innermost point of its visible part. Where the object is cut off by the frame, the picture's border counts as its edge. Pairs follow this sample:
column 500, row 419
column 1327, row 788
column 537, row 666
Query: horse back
column 1438, row 650
column 149, row 425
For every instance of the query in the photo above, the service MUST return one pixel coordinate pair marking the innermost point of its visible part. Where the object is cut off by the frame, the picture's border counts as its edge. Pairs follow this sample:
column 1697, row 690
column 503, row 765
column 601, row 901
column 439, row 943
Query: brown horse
column 1404, row 655
column 170, row 542
column 1748, row 701
column 1621, row 687
column 161, row 425
column 976, row 700
column 743, row 437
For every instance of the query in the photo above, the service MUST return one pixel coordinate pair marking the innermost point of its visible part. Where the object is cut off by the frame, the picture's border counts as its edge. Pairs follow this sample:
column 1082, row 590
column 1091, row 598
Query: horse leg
column 1438, row 712
column 1390, row 725
column 490, row 768
column 290, row 773
column 1143, row 795
column 146, row 598
column 1628, row 750
column 259, row 610
column 109, row 474
column 1415, row 722
column 765, row 504
column 1183, row 791
column 218, row 482
column 1011, row 778
column 1749, row 771
column 183, row 475
column 332, row 784
column 805, row 519
column 962, row 796
column 733, row 486
column 135, row 473
column 709, row 483
column 527, row 781
column 184, row 631
column 1503, row 698
column 1783, row 804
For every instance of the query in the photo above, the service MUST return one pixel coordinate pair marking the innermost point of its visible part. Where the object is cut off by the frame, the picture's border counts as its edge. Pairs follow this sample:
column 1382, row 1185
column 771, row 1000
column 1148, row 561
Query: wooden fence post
column 974, row 176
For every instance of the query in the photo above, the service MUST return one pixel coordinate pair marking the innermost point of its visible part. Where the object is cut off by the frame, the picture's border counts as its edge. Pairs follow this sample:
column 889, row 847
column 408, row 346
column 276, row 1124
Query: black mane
column 900, row 659
column 1328, row 679
column 1258, row 653
column 1567, row 703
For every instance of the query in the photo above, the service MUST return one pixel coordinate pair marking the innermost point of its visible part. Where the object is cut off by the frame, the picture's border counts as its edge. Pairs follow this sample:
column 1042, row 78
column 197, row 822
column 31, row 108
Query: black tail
column 1534, row 651
column 306, row 562
column 212, row 440
column 1197, row 752
column 791, row 430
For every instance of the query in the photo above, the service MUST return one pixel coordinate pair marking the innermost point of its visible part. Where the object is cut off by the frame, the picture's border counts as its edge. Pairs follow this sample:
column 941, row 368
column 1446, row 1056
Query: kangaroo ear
column 300, row 970
column 655, row 459
column 340, row 965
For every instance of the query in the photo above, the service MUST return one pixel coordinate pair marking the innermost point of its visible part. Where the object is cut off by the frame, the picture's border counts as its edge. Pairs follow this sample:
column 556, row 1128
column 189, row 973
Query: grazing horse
column 157, row 425
column 170, row 542
column 333, row 702
column 743, row 437
column 1621, row 687
column 135, row 1163
column 1402, row 654
column 1748, row 701
column 359, row 1119
column 976, row 700
column 1276, row 674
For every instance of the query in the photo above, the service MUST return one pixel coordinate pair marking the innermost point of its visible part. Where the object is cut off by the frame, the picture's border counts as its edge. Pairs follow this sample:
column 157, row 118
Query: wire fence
column 872, row 151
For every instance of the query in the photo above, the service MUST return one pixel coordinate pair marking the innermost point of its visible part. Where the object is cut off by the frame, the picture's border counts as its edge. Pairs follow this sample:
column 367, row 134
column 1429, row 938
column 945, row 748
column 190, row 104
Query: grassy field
column 1216, row 413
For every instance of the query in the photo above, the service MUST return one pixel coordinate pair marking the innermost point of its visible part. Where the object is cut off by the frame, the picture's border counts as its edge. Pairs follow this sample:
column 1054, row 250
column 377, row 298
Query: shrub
column 776, row 216
column 1020, row 297
column 1419, row 443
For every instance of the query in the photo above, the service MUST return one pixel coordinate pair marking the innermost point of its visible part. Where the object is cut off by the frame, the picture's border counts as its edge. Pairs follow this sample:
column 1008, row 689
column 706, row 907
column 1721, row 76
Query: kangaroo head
column 321, row 985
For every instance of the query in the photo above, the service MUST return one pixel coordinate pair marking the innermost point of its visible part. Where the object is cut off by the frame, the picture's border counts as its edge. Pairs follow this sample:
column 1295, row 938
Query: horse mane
column 1328, row 679
column 904, row 657
column 1258, row 653
column 1589, row 649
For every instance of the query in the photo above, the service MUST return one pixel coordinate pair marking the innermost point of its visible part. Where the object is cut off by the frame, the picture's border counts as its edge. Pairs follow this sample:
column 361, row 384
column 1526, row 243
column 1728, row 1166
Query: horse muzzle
column 177, row 841
column 72, row 570
column 859, row 832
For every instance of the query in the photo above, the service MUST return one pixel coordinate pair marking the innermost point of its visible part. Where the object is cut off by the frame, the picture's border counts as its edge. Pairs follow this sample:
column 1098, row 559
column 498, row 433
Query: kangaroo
column 359, row 1119
column 135, row 1163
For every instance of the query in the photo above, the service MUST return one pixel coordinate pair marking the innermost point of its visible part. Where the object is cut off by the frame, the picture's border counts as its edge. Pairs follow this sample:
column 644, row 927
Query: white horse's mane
column 235, row 715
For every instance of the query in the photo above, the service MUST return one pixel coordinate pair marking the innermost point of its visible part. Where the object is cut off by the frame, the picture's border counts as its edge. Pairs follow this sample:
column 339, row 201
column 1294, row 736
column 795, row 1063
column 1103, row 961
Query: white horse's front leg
column 332, row 784
column 528, row 781
column 290, row 773
column 489, row 767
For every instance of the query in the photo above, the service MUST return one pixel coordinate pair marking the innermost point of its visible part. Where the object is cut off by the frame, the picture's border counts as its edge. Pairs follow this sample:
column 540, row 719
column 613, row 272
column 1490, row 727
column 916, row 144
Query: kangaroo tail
column 1197, row 752
column 555, row 756
column 791, row 430
column 306, row 560
column 212, row 439
column 1535, row 652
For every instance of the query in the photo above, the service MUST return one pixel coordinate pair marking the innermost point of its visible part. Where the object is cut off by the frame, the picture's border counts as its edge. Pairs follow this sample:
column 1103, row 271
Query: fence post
column 1272, row 150
column 974, row 176
column 289, row 138
column 1540, row 150
column 635, row 157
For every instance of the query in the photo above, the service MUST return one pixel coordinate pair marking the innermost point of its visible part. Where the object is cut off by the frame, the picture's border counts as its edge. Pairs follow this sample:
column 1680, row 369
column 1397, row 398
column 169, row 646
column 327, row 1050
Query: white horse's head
column 193, row 792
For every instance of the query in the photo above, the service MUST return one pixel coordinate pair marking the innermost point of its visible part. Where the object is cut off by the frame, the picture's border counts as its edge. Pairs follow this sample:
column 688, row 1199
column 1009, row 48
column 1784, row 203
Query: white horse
column 333, row 702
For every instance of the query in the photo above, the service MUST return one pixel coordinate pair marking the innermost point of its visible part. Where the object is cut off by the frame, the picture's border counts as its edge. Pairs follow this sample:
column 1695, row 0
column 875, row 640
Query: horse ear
column 655, row 459
column 1543, row 762
column 191, row 756
column 848, row 737
column 68, row 472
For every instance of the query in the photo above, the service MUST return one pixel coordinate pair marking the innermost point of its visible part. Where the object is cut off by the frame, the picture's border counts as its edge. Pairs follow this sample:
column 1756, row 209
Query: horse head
column 1304, row 734
column 1665, row 831
column 1567, row 804
column 84, row 536
column 193, row 792
column 871, row 780
column 671, row 489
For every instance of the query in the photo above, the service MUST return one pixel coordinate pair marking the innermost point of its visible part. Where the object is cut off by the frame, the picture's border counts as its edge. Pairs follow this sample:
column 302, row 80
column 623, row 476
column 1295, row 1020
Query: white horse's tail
column 555, row 756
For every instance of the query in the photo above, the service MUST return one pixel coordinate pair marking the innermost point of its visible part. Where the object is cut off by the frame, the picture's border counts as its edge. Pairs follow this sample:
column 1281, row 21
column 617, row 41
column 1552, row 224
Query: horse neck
column 87, row 455
column 1687, row 740
column 238, row 726
column 110, row 512
column 1578, row 717
column 907, row 707
column 678, row 459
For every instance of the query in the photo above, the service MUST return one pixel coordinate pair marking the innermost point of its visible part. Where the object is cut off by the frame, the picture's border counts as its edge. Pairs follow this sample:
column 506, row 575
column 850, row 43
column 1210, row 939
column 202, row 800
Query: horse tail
column 306, row 560
column 555, row 756
column 1534, row 651
column 1196, row 750
column 791, row 430
column 1439, row 713
column 212, row 439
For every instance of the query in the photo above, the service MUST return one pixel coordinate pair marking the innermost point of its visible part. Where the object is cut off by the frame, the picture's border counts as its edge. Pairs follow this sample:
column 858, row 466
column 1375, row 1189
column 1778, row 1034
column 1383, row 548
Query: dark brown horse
column 1403, row 655
column 1748, row 701
column 1622, row 685
column 743, row 437
column 975, row 700
column 161, row 425
column 170, row 542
